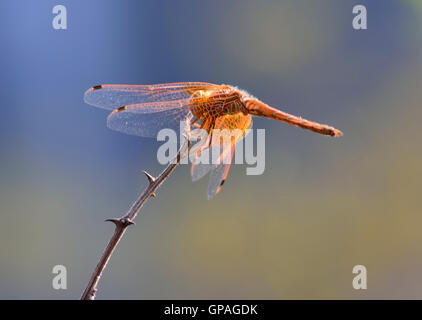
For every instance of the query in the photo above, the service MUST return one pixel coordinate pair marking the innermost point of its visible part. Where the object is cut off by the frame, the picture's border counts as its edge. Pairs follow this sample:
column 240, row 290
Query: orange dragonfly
column 143, row 110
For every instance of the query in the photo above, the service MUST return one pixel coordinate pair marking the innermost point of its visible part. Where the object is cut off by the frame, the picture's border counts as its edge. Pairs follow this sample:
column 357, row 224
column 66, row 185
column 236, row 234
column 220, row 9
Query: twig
column 122, row 223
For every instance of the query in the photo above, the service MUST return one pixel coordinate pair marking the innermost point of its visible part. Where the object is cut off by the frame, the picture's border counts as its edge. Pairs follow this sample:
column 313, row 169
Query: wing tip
column 117, row 110
column 212, row 194
column 94, row 88
column 86, row 94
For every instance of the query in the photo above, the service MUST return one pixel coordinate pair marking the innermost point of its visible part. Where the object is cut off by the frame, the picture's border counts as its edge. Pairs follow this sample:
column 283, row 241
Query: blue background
column 322, row 205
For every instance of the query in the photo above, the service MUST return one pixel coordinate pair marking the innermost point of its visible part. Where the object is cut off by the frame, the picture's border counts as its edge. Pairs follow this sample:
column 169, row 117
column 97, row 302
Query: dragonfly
column 143, row 110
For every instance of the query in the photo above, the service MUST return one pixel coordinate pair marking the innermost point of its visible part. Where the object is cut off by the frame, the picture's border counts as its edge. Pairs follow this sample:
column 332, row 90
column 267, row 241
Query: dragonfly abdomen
column 259, row 108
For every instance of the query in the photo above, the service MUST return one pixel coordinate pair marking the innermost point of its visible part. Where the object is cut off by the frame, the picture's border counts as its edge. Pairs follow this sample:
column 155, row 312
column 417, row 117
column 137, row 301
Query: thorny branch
column 122, row 223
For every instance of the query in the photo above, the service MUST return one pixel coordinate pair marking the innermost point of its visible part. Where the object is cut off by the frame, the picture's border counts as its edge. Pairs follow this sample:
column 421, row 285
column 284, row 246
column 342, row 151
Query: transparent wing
column 220, row 171
column 110, row 96
column 158, row 106
column 146, row 124
column 216, row 155
column 202, row 161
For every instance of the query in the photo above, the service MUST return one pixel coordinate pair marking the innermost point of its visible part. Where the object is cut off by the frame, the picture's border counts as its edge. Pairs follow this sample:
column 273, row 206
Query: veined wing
column 227, row 132
column 157, row 106
column 110, row 96
column 146, row 124
column 219, row 172
column 205, row 155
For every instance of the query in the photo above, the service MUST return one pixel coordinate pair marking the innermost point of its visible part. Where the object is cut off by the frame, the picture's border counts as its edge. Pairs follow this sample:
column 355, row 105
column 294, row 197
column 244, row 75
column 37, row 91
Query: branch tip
column 188, row 139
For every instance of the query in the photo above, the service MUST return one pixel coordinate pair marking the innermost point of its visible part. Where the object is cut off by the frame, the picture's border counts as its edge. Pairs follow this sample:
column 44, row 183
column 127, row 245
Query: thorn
column 153, row 195
column 115, row 221
column 121, row 222
column 151, row 179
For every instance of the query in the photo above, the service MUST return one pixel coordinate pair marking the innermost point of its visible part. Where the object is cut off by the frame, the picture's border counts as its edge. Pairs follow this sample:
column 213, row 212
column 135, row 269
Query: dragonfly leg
column 211, row 128
column 194, row 123
column 195, row 119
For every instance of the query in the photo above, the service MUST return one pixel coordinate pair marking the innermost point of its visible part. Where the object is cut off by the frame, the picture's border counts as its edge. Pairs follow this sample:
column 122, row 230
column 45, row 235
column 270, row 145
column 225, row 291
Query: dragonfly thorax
column 217, row 103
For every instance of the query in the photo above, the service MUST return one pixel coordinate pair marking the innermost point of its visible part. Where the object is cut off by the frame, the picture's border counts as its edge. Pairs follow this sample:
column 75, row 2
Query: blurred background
column 322, row 205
